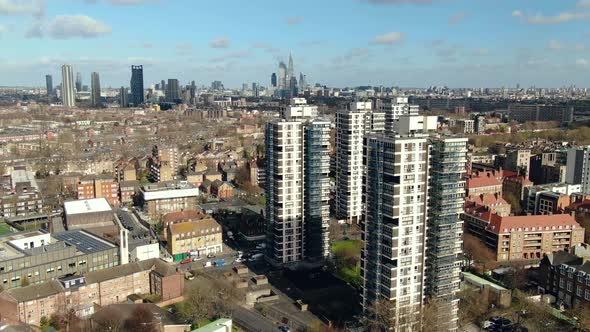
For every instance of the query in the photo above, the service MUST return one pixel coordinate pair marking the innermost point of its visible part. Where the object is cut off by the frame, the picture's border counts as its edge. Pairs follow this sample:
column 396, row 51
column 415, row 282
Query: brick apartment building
column 202, row 237
column 99, row 187
column 82, row 293
column 516, row 238
column 567, row 277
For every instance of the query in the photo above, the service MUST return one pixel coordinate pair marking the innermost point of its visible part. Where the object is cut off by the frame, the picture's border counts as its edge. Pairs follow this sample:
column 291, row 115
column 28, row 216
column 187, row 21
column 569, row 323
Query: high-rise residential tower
column 351, row 126
column 78, row 82
column 137, row 97
column 95, row 89
column 578, row 167
column 49, row 84
column 395, row 108
column 396, row 213
column 445, row 227
column 68, row 95
column 297, row 185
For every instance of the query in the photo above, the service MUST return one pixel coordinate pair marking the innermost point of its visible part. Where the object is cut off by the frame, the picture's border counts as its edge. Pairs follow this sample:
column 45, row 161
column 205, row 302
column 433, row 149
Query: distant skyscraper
column 49, row 84
column 297, row 185
column 282, row 76
column 302, row 83
column 172, row 90
column 68, row 95
column 163, row 85
column 273, row 80
column 78, row 82
column 291, row 68
column 217, row 85
column 137, row 97
column 123, row 97
column 578, row 167
column 255, row 89
column 193, row 93
column 95, row 89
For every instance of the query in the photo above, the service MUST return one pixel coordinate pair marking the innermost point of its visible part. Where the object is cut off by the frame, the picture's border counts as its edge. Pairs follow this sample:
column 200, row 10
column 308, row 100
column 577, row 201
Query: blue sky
column 410, row 43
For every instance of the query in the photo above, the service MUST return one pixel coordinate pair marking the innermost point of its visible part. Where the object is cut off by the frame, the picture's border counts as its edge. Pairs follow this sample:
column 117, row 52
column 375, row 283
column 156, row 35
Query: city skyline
column 541, row 43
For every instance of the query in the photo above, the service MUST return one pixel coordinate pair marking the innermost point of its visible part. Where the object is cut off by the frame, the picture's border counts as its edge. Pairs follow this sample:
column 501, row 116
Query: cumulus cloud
column 22, row 7
column 517, row 13
column 220, row 42
column 389, row 38
column 457, row 18
column 294, row 20
column 76, row 26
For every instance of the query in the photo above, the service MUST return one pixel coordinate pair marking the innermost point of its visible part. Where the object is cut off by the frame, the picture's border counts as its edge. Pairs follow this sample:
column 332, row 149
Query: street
column 252, row 321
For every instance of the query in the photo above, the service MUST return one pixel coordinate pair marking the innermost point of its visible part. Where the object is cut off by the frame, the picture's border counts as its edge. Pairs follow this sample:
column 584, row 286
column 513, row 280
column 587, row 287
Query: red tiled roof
column 482, row 181
column 503, row 225
column 488, row 200
column 585, row 203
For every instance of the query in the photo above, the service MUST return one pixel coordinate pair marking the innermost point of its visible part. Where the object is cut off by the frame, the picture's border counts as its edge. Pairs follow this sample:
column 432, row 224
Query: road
column 252, row 321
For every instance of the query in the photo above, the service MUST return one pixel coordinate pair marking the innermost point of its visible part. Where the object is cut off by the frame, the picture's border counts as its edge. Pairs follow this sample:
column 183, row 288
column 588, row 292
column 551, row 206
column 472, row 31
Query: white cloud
column 220, row 42
column 583, row 63
column 388, row 38
column 555, row 45
column 584, row 3
column 564, row 17
column 294, row 20
column 76, row 26
column 22, row 7
column 233, row 55
column 457, row 18
column 3, row 29
column 517, row 13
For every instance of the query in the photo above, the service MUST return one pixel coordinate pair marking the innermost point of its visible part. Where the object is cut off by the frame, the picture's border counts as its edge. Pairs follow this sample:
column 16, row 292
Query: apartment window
column 570, row 286
column 579, row 290
column 587, row 295
column 561, row 283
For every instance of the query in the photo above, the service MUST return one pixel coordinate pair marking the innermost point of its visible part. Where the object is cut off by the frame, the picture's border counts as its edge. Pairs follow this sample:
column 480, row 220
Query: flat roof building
column 38, row 256
column 87, row 213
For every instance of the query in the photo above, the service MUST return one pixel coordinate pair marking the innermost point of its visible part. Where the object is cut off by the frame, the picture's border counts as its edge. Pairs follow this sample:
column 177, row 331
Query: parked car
column 207, row 264
column 186, row 261
column 197, row 258
column 284, row 328
column 188, row 276
column 210, row 256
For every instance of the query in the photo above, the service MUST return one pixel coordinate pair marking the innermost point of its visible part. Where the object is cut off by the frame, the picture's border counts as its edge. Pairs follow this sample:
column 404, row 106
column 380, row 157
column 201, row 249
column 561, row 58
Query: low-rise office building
column 37, row 257
column 158, row 199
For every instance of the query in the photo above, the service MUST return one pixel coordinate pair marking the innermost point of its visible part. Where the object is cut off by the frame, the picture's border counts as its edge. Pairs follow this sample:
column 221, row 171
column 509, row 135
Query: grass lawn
column 353, row 245
column 345, row 272
column 4, row 228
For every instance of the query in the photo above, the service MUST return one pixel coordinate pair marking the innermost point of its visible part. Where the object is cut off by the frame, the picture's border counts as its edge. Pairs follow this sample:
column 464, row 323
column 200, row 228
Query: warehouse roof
column 87, row 206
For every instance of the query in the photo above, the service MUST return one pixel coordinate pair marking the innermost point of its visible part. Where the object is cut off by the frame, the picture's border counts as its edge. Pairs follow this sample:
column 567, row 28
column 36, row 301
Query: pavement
column 252, row 321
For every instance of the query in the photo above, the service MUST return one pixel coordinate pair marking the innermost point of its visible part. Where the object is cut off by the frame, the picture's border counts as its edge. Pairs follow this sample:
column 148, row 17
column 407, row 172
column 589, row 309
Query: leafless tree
column 141, row 320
